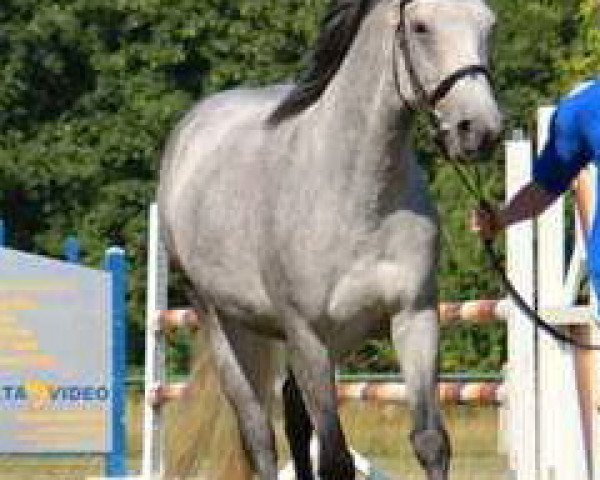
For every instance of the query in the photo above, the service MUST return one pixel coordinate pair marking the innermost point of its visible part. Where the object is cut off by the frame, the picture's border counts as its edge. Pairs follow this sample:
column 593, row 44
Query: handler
column 574, row 141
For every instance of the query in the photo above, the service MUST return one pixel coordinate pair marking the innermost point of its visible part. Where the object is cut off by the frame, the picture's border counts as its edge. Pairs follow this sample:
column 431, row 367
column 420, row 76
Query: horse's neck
column 360, row 116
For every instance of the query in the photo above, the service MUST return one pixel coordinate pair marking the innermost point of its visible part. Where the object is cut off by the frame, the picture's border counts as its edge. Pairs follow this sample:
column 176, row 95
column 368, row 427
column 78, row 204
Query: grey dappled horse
column 301, row 217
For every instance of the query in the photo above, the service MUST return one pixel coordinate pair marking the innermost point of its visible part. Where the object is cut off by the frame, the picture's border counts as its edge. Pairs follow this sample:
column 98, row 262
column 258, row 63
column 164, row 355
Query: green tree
column 584, row 59
column 90, row 89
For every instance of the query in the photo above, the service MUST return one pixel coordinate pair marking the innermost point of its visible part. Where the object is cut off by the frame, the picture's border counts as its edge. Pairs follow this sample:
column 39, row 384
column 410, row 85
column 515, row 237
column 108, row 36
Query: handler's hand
column 486, row 222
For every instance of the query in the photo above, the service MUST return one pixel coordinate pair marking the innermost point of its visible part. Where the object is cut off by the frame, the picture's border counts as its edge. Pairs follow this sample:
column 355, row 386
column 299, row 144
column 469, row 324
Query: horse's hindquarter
column 210, row 189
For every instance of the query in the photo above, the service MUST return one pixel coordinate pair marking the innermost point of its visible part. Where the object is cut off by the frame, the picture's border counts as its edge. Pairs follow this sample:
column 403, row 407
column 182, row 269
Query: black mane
column 340, row 28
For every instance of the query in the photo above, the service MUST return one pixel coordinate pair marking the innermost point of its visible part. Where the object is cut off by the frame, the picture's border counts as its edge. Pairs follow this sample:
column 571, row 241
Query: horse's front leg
column 415, row 334
column 315, row 373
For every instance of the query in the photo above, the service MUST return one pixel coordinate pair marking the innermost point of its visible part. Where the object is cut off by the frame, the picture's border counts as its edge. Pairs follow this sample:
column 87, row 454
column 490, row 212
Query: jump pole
column 153, row 450
column 522, row 421
column 116, row 264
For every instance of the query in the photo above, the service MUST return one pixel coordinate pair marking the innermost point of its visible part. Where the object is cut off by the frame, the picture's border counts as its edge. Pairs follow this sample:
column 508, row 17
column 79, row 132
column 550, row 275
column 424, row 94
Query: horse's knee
column 336, row 465
column 432, row 448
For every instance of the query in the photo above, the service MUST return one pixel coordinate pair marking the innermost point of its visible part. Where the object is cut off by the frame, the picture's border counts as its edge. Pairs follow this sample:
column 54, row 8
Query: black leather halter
column 424, row 98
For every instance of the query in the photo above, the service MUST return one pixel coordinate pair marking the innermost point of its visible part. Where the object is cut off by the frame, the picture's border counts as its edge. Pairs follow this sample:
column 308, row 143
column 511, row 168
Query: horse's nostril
column 464, row 126
column 488, row 140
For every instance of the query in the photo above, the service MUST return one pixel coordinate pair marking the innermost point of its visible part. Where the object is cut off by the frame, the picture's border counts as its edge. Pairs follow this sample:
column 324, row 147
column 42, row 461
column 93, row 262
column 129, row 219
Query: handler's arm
column 529, row 202
column 561, row 160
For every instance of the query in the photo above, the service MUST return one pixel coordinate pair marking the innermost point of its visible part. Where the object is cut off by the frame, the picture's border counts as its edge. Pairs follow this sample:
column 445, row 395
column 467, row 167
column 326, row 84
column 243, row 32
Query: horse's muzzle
column 469, row 138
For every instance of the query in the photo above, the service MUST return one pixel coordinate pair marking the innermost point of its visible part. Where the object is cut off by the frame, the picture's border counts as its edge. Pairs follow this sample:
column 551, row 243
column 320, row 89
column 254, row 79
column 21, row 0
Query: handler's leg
column 416, row 336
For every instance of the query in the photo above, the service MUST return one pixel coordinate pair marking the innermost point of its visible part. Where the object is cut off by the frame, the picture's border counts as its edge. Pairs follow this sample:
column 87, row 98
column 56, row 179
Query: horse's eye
column 420, row 27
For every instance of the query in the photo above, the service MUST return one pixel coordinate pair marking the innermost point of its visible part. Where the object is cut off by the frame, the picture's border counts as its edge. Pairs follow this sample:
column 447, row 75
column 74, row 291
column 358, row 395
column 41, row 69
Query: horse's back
column 207, row 125
column 210, row 193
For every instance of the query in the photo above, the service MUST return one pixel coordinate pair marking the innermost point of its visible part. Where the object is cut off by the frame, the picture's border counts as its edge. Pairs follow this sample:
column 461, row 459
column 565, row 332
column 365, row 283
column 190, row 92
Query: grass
column 380, row 432
column 377, row 431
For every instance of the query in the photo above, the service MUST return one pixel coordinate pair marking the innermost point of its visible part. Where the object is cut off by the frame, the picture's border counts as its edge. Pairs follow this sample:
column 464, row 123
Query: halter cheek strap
column 426, row 99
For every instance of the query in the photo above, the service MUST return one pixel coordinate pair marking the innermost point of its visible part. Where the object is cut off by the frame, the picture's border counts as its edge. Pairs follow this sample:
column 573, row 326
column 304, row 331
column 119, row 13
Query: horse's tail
column 203, row 439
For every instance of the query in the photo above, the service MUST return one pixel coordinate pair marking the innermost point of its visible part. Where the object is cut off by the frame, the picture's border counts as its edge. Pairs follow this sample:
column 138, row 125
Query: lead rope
column 475, row 190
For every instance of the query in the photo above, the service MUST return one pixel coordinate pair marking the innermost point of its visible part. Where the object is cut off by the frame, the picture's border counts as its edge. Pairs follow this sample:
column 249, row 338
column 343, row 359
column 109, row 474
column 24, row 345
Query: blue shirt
column 573, row 142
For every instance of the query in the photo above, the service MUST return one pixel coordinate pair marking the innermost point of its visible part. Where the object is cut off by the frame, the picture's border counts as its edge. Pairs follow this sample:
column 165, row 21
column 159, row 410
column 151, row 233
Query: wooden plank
column 450, row 393
column 569, row 316
column 475, row 311
column 522, row 335
column 156, row 300
column 471, row 311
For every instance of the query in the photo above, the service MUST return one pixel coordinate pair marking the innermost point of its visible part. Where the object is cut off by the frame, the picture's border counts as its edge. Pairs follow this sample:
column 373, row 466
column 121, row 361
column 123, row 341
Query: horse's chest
column 347, row 271
column 303, row 264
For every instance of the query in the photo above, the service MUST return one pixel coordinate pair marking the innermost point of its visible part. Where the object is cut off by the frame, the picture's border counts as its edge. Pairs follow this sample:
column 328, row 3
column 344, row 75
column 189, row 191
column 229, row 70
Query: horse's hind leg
column 245, row 371
column 415, row 333
column 315, row 374
column 298, row 428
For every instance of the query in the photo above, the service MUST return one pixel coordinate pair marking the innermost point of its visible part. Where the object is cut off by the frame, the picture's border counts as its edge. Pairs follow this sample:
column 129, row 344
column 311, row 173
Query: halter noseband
column 428, row 100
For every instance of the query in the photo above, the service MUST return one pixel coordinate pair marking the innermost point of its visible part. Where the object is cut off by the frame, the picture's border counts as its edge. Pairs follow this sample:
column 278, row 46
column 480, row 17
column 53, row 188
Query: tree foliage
column 584, row 63
column 90, row 88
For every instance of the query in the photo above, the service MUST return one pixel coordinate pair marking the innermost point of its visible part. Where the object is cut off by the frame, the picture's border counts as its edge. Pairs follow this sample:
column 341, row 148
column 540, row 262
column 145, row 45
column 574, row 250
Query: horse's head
column 442, row 46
